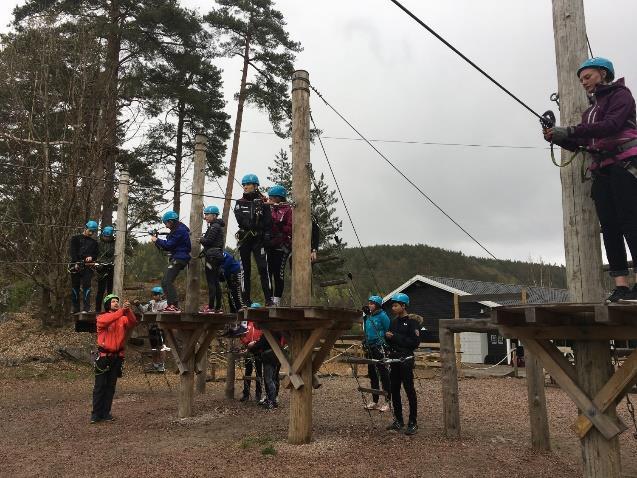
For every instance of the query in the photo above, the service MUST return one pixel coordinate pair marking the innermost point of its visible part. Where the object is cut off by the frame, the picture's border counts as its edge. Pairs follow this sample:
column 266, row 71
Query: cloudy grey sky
column 394, row 81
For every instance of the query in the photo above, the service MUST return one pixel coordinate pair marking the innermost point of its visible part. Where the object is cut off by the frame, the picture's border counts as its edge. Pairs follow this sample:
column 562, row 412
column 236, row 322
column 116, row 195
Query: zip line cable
column 461, row 55
column 403, row 174
column 589, row 46
column 349, row 216
column 425, row 143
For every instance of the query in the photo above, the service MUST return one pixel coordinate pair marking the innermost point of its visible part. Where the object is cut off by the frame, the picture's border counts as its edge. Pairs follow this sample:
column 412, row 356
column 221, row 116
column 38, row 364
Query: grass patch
column 266, row 443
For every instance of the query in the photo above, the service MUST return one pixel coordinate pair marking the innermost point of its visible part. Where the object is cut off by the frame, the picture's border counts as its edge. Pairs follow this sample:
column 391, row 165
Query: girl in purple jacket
column 609, row 132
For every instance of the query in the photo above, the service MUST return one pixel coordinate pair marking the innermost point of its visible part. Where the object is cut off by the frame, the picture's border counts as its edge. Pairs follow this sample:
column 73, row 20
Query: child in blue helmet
column 177, row 243
column 83, row 250
column 255, row 226
column 105, row 265
column 212, row 242
column 375, row 324
column 403, row 337
column 158, row 349
column 232, row 275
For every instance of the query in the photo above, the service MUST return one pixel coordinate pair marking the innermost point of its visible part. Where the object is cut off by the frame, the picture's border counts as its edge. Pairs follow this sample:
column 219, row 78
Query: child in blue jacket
column 375, row 324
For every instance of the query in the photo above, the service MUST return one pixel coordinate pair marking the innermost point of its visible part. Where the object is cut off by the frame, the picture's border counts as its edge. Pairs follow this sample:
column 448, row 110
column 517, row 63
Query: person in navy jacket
column 177, row 244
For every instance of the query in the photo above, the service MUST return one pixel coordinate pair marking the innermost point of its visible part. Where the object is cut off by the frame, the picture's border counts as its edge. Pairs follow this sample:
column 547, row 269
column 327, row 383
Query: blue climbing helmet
column 211, row 210
column 255, row 305
column 401, row 298
column 250, row 179
column 107, row 231
column 598, row 62
column 157, row 290
column 278, row 190
column 169, row 216
column 375, row 299
column 91, row 226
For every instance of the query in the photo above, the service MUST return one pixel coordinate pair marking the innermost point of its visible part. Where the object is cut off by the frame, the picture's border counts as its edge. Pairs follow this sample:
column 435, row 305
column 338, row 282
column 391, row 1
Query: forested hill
column 394, row 265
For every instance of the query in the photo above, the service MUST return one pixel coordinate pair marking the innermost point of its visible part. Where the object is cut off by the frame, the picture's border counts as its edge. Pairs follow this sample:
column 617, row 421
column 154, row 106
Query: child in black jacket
column 403, row 337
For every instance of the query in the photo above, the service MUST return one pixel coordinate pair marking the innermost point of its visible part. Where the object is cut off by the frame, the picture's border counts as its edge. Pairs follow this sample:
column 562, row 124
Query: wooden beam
column 468, row 325
column 305, row 353
column 295, row 379
column 563, row 373
column 326, row 347
column 191, row 343
column 490, row 297
column 584, row 332
column 175, row 350
column 450, row 398
column 612, row 391
column 540, row 436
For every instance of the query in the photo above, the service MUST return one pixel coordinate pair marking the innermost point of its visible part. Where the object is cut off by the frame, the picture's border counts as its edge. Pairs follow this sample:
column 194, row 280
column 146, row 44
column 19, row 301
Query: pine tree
column 255, row 32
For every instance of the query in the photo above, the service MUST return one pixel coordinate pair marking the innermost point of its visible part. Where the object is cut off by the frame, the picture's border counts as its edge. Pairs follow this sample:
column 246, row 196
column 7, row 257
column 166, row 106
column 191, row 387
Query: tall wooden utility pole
column 300, row 430
column 120, row 239
column 194, row 268
column 581, row 232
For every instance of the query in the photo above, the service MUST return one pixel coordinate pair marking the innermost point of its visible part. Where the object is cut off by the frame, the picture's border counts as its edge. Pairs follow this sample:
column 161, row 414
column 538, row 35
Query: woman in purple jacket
column 609, row 132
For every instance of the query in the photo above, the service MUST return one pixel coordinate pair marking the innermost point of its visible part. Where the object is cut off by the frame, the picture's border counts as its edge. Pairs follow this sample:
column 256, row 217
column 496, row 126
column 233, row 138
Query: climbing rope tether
column 548, row 121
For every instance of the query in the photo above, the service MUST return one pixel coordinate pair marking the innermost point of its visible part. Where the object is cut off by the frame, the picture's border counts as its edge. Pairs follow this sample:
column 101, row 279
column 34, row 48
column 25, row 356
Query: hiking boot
column 245, row 398
column 371, row 406
column 172, row 308
column 396, row 426
column 622, row 293
column 109, row 418
column 95, row 420
column 412, row 429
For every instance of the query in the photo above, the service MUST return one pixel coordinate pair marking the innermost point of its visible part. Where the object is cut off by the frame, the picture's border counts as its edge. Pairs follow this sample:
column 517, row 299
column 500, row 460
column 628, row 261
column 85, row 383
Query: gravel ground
column 44, row 431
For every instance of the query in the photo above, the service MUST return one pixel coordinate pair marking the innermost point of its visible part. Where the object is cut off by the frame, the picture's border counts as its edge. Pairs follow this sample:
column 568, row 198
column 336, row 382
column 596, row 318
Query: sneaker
column 631, row 296
column 218, row 311
column 371, row 406
column 159, row 368
column 95, row 420
column 164, row 348
column 383, row 408
column 172, row 308
column 206, row 309
column 261, row 401
column 268, row 405
column 396, row 426
column 245, row 398
column 412, row 429
column 109, row 418
column 621, row 293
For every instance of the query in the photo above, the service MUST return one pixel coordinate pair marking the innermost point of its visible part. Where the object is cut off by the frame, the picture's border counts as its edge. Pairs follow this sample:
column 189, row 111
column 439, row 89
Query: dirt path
column 44, row 431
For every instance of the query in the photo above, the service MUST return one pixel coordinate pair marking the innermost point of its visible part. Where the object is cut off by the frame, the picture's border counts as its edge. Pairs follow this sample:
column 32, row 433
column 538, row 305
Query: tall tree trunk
column 237, row 134
column 179, row 153
column 113, row 47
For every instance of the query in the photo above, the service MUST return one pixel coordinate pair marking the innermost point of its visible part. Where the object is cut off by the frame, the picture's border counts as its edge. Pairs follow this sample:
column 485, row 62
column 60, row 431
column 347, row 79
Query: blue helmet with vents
column 211, row 210
column 401, row 298
column 157, row 290
column 91, row 226
column 278, row 190
column 169, row 216
column 250, row 179
column 598, row 62
column 375, row 299
column 107, row 231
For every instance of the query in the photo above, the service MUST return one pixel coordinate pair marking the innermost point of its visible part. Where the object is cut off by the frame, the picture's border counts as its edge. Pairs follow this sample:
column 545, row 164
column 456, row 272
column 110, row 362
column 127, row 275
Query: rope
column 349, row 216
column 422, row 193
column 461, row 55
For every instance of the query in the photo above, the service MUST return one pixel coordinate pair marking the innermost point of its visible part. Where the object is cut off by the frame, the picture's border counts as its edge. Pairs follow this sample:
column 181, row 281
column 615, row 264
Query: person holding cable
column 375, row 325
column 212, row 242
column 105, row 266
column 112, row 327
column 403, row 337
column 608, row 131
column 83, row 250
column 177, row 243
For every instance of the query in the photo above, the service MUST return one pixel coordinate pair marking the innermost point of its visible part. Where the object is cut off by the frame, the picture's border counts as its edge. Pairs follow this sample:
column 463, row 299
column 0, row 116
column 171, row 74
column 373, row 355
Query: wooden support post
column 581, row 232
column 230, row 375
column 300, row 429
column 193, row 274
column 120, row 238
column 300, row 426
column 458, row 344
column 450, row 400
column 540, row 437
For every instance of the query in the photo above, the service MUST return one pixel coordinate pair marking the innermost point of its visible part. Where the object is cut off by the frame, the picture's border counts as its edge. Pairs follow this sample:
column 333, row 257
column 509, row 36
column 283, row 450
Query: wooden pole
column 581, row 231
column 230, row 375
column 450, row 400
column 458, row 344
column 193, row 275
column 120, row 239
column 300, row 427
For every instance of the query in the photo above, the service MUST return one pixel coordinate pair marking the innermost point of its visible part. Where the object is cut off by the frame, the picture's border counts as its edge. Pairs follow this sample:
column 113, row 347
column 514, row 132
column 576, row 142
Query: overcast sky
column 395, row 81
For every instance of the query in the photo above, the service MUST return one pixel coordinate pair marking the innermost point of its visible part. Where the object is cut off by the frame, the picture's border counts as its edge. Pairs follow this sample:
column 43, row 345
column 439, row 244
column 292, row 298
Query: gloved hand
column 559, row 133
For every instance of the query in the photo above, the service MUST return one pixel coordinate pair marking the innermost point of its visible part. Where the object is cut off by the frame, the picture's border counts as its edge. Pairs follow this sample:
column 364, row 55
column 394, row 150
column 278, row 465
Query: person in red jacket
column 112, row 326
column 252, row 361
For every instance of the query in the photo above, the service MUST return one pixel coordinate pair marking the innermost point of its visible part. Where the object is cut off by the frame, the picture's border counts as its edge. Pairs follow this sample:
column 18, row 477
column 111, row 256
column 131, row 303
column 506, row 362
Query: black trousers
column 104, row 286
column 81, row 278
column 214, row 288
column 253, row 363
column 253, row 246
column 403, row 374
column 614, row 192
column 376, row 371
column 271, row 368
column 235, row 297
column 106, row 372
column 175, row 266
column 277, row 260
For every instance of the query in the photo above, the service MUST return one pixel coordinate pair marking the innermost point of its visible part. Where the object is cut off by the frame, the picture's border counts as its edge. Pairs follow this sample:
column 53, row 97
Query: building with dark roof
column 432, row 298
